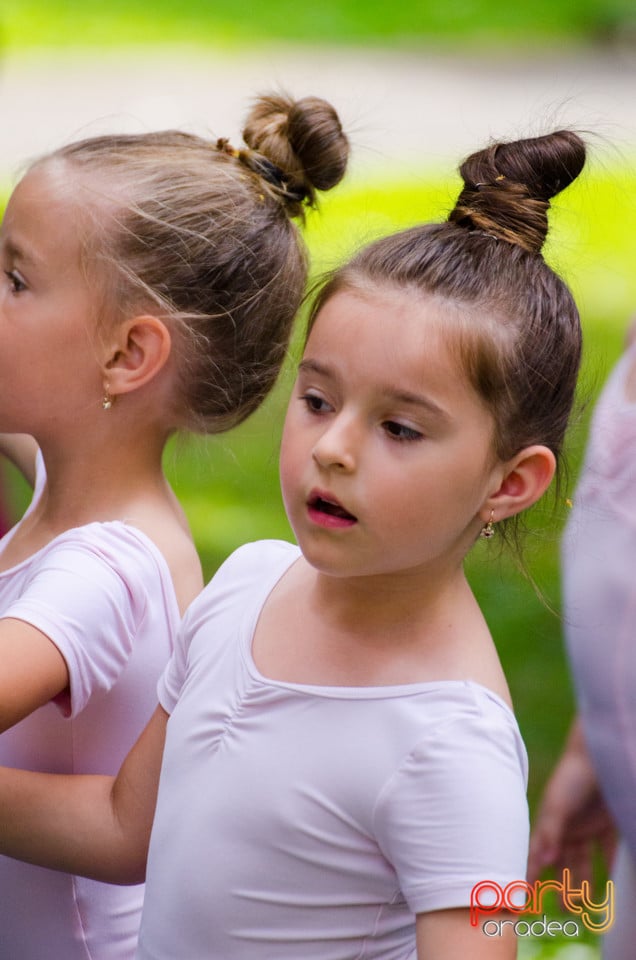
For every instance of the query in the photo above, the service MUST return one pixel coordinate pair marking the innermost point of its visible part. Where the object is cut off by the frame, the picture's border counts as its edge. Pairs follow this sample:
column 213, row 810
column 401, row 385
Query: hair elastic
column 264, row 168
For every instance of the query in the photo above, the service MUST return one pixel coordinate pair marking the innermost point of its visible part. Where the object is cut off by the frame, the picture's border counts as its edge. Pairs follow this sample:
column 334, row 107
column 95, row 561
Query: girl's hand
column 448, row 935
column 573, row 819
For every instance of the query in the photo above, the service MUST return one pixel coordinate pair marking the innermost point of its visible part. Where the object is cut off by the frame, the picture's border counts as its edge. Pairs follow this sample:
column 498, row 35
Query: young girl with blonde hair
column 149, row 284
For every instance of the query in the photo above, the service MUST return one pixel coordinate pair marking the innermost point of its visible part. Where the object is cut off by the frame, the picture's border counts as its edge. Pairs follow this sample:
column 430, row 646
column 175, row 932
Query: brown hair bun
column 303, row 138
column 508, row 186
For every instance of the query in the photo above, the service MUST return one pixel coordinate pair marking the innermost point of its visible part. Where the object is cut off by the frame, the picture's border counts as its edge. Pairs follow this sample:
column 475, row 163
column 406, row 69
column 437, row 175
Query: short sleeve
column 172, row 679
column 203, row 612
column 240, row 583
column 455, row 813
column 88, row 593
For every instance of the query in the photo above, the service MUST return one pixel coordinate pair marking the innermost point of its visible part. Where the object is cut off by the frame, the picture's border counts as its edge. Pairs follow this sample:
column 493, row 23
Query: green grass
column 478, row 23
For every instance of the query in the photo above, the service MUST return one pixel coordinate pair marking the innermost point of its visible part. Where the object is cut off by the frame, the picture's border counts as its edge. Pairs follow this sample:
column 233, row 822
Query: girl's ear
column 138, row 353
column 526, row 478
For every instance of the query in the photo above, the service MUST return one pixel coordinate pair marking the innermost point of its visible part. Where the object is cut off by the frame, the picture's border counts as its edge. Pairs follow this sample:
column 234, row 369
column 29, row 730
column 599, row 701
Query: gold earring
column 488, row 530
column 107, row 399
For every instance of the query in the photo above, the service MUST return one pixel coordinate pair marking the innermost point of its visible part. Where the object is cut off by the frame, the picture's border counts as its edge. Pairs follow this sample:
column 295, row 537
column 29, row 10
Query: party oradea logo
column 519, row 897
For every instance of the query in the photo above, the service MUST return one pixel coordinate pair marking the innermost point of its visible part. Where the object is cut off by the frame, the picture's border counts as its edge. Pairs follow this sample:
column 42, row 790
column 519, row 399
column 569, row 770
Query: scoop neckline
column 342, row 692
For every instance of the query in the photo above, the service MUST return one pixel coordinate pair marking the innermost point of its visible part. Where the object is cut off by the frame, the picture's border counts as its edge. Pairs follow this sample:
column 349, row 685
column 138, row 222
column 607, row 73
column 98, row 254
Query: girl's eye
column 315, row 403
column 397, row 431
column 15, row 281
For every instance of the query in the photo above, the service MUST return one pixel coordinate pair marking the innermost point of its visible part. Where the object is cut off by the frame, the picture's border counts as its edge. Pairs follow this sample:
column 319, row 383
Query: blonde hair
column 204, row 232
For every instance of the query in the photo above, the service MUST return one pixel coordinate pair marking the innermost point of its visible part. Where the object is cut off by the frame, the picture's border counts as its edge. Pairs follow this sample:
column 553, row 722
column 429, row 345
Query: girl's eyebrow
column 394, row 395
column 16, row 252
column 418, row 400
column 314, row 367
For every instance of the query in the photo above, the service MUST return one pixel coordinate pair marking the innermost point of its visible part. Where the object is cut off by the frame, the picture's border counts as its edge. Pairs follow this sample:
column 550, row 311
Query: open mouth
column 330, row 508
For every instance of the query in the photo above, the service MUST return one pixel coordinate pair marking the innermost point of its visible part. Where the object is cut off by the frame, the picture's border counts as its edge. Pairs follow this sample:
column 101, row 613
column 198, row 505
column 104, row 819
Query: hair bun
column 508, row 186
column 304, row 138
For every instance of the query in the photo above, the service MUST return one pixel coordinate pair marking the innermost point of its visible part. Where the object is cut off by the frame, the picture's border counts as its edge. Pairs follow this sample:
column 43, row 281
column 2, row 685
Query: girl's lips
column 326, row 511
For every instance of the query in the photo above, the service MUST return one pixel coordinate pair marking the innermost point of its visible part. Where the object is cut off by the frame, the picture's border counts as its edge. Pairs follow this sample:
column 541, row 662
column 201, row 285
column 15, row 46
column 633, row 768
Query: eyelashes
column 396, row 431
column 401, row 433
column 15, row 280
column 315, row 403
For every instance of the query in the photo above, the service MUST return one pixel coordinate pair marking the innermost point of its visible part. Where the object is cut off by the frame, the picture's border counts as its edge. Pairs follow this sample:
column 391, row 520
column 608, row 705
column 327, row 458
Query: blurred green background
column 471, row 22
column 229, row 485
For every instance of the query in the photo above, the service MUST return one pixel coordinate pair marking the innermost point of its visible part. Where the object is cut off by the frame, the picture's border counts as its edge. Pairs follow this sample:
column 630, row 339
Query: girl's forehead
column 58, row 185
column 392, row 341
column 44, row 219
column 43, row 194
column 379, row 330
column 386, row 319
column 49, row 178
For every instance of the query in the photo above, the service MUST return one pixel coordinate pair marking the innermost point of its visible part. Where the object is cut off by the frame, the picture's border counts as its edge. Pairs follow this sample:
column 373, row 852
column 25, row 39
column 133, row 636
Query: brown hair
column 203, row 231
column 520, row 341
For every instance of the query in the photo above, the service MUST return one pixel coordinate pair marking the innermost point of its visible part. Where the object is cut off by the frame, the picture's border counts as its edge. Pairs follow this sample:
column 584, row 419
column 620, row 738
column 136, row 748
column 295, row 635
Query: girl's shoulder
column 259, row 556
column 260, row 561
column 168, row 533
column 246, row 577
column 150, row 531
column 124, row 548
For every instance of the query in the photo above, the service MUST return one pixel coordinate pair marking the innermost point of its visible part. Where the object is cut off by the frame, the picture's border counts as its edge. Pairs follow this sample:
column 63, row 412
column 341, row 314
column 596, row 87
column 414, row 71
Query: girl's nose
column 337, row 446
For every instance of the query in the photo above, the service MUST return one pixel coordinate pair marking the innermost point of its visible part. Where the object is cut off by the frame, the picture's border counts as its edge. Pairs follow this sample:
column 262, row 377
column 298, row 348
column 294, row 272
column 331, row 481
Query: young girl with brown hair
column 335, row 754
column 149, row 284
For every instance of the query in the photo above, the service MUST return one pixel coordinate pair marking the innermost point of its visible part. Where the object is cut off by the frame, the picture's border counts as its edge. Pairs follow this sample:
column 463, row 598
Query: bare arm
column 33, row 671
column 93, row 826
column 21, row 450
column 448, row 935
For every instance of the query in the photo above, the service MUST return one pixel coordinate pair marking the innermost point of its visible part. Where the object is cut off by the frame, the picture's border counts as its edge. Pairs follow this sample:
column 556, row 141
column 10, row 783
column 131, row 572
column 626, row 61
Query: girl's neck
column 327, row 631
column 385, row 604
column 99, row 482
column 91, row 477
column 102, row 486
column 109, row 471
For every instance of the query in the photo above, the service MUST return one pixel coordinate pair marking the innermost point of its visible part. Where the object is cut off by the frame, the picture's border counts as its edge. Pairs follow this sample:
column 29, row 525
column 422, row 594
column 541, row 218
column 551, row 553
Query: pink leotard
column 103, row 594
